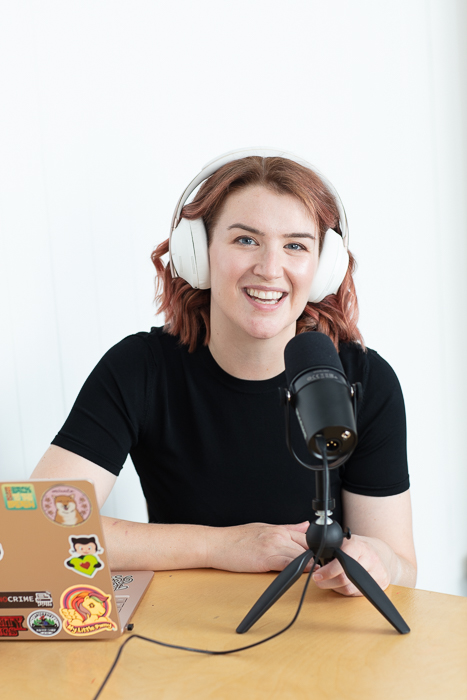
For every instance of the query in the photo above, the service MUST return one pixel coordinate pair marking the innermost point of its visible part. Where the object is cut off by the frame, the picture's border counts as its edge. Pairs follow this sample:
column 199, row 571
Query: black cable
column 249, row 646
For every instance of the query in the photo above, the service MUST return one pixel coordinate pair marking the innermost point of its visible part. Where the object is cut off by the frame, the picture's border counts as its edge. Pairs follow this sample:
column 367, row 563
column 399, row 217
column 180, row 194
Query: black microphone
column 321, row 395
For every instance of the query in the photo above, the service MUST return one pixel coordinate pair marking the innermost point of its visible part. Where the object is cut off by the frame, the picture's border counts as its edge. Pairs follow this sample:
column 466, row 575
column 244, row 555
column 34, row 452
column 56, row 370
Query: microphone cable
column 249, row 646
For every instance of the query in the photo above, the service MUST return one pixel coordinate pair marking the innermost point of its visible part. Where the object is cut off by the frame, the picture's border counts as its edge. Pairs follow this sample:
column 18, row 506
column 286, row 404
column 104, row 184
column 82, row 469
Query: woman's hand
column 256, row 547
column 374, row 555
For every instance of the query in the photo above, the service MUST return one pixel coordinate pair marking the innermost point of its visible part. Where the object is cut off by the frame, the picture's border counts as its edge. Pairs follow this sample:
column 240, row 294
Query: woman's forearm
column 159, row 547
column 154, row 546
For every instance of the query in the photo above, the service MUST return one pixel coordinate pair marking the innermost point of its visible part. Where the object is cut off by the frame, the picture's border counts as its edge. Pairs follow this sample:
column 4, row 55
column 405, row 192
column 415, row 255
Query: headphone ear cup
column 332, row 267
column 189, row 253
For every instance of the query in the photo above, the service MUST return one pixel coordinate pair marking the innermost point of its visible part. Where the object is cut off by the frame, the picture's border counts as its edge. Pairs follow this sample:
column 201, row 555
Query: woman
column 195, row 403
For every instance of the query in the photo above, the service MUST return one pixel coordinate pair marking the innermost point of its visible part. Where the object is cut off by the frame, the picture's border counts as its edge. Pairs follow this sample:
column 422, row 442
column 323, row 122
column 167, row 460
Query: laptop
column 55, row 580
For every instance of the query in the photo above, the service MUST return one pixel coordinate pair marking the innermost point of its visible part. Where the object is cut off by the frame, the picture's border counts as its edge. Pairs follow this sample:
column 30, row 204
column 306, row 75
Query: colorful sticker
column 85, row 550
column 1, row 552
column 44, row 624
column 85, row 611
column 26, row 599
column 66, row 505
column 19, row 496
column 11, row 625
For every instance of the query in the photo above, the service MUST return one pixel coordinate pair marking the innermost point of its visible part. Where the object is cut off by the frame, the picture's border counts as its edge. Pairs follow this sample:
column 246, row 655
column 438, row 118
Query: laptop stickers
column 54, row 578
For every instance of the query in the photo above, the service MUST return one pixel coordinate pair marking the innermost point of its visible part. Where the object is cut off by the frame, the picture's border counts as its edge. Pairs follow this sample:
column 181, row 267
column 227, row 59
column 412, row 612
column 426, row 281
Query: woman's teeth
column 264, row 297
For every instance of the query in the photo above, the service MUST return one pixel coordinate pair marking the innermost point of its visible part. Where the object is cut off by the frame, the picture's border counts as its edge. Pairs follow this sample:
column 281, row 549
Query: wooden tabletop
column 338, row 648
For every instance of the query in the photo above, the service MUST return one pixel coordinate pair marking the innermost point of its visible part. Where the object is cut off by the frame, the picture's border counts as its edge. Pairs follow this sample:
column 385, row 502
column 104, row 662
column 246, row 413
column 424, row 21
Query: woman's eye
column 295, row 246
column 246, row 240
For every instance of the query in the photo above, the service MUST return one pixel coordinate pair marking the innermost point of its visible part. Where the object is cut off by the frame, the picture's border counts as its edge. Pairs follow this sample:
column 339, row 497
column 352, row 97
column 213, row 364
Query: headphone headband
column 231, row 156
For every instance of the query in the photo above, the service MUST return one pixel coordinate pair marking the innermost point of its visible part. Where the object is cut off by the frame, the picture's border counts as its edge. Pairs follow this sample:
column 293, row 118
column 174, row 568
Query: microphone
column 321, row 395
column 322, row 398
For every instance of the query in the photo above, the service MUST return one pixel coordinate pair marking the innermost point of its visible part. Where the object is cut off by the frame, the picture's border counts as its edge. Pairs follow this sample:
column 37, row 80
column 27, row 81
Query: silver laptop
column 55, row 581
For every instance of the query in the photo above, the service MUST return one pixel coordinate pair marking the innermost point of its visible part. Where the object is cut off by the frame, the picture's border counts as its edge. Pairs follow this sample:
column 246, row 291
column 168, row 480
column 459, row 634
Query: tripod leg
column 371, row 590
column 278, row 587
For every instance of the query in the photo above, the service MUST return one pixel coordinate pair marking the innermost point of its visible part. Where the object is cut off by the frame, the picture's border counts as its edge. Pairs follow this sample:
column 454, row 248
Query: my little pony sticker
column 85, row 550
column 86, row 611
column 66, row 505
column 19, row 496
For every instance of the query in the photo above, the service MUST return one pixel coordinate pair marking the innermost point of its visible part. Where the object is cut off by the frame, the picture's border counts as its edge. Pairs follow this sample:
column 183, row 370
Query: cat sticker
column 85, row 550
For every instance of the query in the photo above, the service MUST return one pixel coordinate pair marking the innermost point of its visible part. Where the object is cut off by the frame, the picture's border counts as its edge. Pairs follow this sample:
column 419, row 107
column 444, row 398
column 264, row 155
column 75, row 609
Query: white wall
column 109, row 108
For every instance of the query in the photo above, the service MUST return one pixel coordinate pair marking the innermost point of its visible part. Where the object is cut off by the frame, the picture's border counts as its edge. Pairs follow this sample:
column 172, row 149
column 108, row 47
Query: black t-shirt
column 210, row 448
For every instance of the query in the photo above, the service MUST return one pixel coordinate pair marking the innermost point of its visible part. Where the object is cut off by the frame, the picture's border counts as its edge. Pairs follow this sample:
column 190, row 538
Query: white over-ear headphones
column 188, row 242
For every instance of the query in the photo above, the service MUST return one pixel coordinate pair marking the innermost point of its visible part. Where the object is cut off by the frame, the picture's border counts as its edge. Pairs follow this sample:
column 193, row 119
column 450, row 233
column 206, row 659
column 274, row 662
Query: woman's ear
column 189, row 253
column 332, row 267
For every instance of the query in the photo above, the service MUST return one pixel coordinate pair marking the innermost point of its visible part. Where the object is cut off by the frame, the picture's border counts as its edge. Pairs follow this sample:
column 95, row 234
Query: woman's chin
column 269, row 332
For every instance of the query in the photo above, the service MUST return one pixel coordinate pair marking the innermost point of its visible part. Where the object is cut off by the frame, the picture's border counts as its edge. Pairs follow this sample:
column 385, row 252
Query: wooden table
column 339, row 648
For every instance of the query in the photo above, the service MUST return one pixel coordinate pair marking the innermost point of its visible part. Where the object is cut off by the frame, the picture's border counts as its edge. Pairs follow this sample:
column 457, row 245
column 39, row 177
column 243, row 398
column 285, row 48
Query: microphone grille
column 307, row 351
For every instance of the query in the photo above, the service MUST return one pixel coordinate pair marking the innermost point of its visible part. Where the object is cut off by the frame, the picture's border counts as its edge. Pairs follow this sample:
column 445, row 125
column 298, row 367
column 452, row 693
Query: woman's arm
column 58, row 463
column 156, row 547
column 382, row 542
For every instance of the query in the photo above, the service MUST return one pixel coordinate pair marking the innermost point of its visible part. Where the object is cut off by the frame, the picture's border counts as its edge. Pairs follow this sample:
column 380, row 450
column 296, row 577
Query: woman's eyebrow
column 250, row 229
column 299, row 235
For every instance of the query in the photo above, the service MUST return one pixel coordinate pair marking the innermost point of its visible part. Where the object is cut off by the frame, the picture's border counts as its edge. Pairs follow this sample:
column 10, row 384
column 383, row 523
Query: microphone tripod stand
column 325, row 537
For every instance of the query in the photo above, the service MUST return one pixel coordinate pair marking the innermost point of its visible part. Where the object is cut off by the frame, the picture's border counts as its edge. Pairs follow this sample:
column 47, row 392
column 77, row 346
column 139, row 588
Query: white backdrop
column 108, row 109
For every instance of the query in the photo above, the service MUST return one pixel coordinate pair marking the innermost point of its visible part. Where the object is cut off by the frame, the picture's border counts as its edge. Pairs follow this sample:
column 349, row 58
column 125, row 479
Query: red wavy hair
column 187, row 310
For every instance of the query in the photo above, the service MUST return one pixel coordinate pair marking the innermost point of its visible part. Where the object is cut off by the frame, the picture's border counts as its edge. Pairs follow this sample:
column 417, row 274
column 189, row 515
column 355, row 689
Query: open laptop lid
column 55, row 581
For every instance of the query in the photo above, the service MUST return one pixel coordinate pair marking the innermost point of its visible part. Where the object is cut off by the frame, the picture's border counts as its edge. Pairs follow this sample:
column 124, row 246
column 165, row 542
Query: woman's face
column 263, row 256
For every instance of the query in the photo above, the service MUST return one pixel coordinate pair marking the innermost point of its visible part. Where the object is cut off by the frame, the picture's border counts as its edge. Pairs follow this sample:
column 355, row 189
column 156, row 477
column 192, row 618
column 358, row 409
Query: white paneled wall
column 109, row 108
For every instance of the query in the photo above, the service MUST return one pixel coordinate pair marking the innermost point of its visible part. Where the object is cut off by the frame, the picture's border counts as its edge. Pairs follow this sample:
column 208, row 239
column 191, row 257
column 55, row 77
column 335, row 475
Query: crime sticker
column 19, row 496
column 66, row 505
column 11, row 625
column 44, row 623
column 26, row 599
column 85, row 551
column 86, row 611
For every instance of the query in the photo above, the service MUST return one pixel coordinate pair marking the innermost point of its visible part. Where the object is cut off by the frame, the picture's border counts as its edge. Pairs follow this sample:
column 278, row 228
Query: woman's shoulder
column 366, row 365
column 381, row 399
column 145, row 343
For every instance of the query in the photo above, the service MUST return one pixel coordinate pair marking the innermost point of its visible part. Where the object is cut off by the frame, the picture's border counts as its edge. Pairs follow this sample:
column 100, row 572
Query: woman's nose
column 268, row 264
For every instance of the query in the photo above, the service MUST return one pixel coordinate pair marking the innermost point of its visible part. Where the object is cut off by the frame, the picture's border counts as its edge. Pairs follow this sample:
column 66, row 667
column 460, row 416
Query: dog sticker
column 66, row 505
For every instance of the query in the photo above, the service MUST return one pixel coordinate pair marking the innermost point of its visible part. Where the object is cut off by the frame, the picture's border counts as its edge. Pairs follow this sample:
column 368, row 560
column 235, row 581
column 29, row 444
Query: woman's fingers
column 259, row 547
column 367, row 553
column 333, row 576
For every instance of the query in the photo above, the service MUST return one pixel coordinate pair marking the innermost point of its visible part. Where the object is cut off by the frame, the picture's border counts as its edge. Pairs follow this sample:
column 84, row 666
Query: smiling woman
column 187, row 310
column 259, row 255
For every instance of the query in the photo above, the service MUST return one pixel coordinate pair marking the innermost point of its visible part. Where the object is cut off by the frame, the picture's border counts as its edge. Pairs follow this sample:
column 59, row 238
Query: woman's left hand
column 374, row 555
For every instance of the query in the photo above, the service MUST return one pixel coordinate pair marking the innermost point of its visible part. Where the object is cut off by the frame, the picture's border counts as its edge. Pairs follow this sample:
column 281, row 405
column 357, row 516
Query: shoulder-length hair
column 187, row 310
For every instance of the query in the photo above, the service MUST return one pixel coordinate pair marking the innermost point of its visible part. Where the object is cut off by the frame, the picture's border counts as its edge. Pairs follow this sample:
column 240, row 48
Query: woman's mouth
column 269, row 298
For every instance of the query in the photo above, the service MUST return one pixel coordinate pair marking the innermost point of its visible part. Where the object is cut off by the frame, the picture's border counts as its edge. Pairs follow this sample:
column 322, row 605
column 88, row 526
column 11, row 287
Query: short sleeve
column 108, row 415
column 378, row 467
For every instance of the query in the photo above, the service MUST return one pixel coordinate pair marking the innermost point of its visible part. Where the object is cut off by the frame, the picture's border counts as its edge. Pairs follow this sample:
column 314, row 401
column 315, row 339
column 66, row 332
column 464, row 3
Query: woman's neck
column 249, row 358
